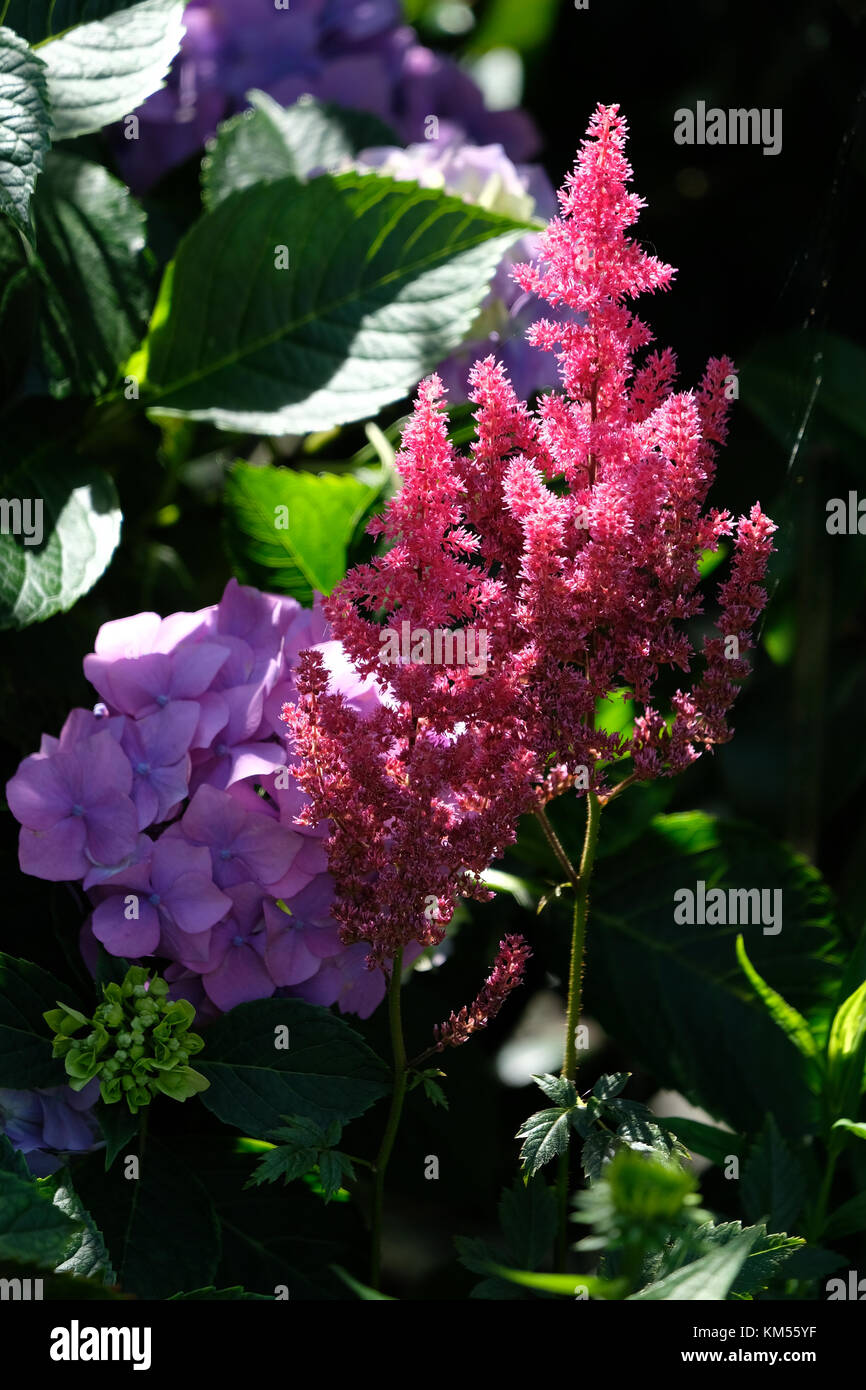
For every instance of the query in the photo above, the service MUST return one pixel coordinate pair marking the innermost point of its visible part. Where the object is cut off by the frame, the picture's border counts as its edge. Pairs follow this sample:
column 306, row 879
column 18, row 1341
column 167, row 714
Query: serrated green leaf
column 26, row 991
column 25, row 126
column 160, row 1229
column 80, row 525
column 434, row 1092
column 100, row 72
column 293, row 307
column 598, row 1149
column 331, row 1172
column 772, row 1181
column 12, row 1160
column 610, row 1085
column 283, row 1162
column 272, row 141
column 93, row 271
column 31, row 1226
column 85, row 1254
column 328, row 1072
column 287, row 531
column 545, row 1135
column 709, row 1278
column 768, row 1254
column 527, row 1215
column 557, row 1088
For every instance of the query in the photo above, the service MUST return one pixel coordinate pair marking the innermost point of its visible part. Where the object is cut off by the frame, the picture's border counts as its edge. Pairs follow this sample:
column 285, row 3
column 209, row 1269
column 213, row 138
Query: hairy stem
column 581, row 881
column 398, row 1094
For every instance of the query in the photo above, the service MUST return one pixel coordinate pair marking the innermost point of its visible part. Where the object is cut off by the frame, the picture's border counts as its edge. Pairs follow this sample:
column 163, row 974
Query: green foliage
column 25, row 126
column 160, row 1229
column 81, row 525
column 846, row 1053
column 326, row 1073
column 289, row 531
column 25, row 1043
column 527, row 1219
column 772, row 1182
column 38, row 20
column 32, row 1228
column 85, row 1255
column 99, row 72
column 302, row 1145
column 715, row 1144
column 672, row 994
column 358, row 286
column 93, row 271
column 270, row 142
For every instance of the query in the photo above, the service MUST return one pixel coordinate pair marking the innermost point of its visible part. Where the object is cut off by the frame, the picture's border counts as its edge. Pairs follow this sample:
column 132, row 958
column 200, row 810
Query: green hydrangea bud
column 137, row 1042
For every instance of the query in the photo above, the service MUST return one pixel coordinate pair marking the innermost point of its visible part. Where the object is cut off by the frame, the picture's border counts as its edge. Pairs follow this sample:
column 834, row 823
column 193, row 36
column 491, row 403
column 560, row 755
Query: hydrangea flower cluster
column 486, row 176
column 357, row 53
column 172, row 804
column 138, row 1042
column 570, row 537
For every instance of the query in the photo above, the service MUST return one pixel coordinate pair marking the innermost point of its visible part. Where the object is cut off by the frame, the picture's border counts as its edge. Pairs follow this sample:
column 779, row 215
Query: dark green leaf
column 328, row 1072
column 772, row 1182
column 85, row 1254
column 26, row 991
column 271, row 142
column 25, row 125
column 557, row 1088
column 606, row 1087
column 119, row 1127
column 12, row 1160
column 95, row 275
column 545, row 1135
column 160, row 1228
column 709, row 1278
column 294, row 307
column 288, row 532
column 673, row 994
column 527, row 1214
column 766, row 1257
column 847, row 1219
column 718, row 1145
column 31, row 1226
column 99, row 72
column 80, row 525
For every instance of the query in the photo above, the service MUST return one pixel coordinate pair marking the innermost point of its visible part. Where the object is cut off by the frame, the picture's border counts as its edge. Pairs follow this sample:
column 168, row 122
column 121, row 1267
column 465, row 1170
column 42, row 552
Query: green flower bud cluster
column 138, row 1042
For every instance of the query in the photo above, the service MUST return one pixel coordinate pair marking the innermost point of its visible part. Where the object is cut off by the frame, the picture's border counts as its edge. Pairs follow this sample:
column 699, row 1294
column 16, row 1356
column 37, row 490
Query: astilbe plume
column 507, row 973
column 570, row 536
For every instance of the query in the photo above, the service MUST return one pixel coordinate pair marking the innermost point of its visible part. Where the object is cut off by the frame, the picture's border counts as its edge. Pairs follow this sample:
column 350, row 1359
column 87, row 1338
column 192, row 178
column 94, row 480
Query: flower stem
column 581, row 882
column 398, row 1094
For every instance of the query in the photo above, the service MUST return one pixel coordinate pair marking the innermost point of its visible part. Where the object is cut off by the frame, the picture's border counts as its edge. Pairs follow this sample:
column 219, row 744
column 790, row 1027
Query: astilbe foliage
column 570, row 536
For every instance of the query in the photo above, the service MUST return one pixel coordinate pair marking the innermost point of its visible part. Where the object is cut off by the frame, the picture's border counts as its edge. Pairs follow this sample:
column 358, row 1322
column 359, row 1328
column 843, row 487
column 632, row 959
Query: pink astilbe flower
column 570, row 539
column 508, row 971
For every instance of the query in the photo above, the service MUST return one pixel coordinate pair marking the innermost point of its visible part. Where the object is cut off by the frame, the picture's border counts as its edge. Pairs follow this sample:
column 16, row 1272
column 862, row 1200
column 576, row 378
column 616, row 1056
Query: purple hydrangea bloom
column 186, row 745
column 165, row 900
column 356, row 53
column 75, row 808
column 46, row 1125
